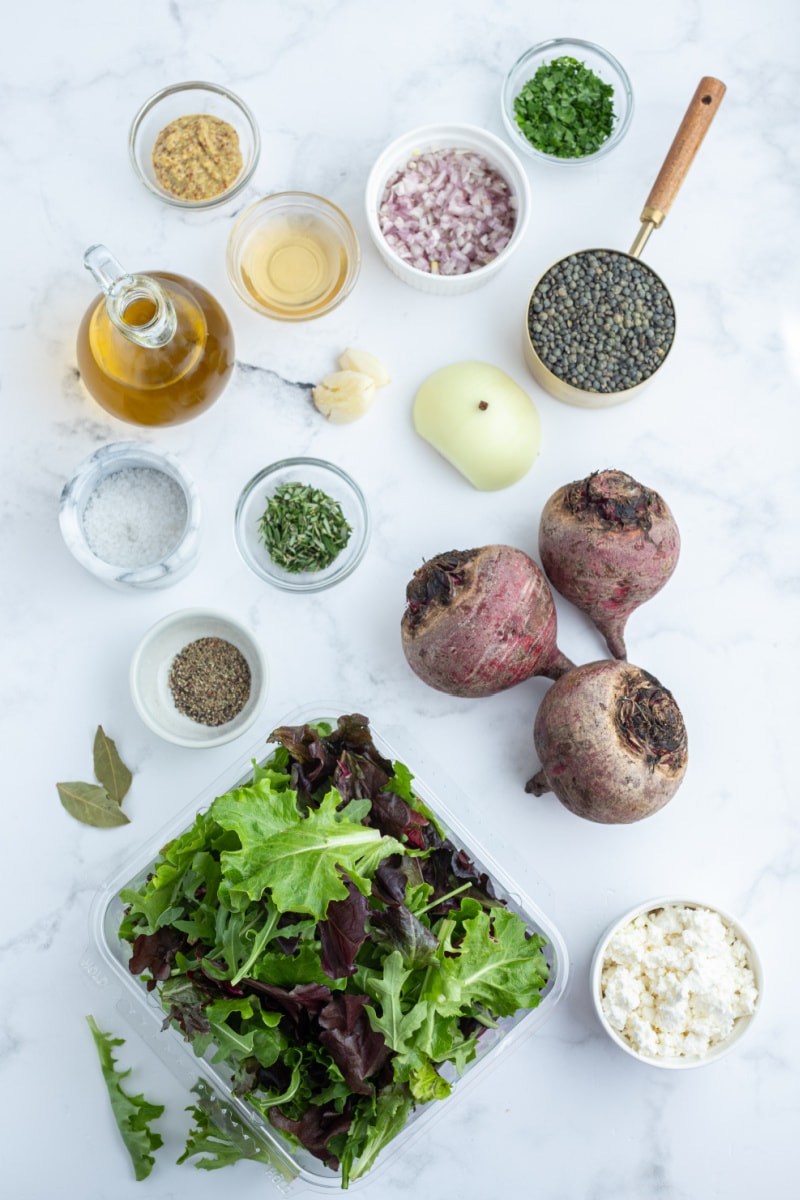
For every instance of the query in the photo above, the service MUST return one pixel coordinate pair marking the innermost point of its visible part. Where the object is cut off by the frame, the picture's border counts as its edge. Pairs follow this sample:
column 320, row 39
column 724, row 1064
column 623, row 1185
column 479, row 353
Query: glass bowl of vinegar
column 293, row 256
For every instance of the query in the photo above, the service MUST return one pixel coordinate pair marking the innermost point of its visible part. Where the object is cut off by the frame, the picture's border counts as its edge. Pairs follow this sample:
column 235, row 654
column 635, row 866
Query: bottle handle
column 137, row 305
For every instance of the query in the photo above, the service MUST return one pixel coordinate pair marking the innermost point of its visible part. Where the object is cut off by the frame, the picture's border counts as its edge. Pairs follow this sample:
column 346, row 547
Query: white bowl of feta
column 676, row 983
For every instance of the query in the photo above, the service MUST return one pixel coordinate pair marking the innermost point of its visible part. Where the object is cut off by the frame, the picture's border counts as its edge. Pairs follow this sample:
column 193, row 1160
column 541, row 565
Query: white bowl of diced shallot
column 447, row 206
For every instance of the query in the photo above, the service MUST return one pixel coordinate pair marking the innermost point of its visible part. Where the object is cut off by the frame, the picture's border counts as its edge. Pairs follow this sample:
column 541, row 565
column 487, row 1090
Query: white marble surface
column 570, row 1116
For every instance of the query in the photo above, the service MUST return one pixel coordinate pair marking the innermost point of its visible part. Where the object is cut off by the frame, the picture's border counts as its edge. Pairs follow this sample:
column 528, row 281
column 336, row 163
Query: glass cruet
column 155, row 348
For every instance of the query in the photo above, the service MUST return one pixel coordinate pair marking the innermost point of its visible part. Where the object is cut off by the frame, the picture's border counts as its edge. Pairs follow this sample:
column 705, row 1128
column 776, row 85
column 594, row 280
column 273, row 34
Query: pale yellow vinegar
column 294, row 267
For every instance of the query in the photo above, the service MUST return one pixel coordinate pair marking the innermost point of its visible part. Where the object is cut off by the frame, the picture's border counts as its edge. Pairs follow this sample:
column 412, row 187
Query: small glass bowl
column 603, row 64
column 443, row 137
column 150, row 668
column 293, row 256
column 184, row 100
column 330, row 479
column 741, row 1024
column 78, row 490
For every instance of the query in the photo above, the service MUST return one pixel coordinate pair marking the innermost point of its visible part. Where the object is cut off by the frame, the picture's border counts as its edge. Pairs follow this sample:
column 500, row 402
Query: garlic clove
column 368, row 364
column 344, row 396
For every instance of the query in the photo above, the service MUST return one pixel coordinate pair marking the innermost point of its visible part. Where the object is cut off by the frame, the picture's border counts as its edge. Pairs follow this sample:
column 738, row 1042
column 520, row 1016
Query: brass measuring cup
column 697, row 119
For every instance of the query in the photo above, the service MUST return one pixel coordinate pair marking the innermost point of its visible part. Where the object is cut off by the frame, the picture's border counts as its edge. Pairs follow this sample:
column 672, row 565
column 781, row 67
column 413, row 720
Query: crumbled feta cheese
column 675, row 980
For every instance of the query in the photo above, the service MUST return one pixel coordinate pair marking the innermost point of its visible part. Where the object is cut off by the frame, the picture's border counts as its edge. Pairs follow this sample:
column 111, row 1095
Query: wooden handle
column 686, row 143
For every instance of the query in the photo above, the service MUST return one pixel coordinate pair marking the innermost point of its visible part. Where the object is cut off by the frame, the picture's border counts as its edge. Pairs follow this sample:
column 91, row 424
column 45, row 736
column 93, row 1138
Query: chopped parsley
column 565, row 110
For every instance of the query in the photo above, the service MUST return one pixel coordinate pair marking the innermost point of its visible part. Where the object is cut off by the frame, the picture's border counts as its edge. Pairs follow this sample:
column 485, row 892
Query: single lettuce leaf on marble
column 133, row 1114
column 299, row 858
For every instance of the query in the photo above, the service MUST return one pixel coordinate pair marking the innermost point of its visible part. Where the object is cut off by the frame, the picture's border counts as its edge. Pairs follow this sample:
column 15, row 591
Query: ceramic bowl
column 446, row 137
column 82, row 491
column 293, row 256
column 189, row 99
column 717, row 1049
column 150, row 670
column 603, row 64
column 317, row 473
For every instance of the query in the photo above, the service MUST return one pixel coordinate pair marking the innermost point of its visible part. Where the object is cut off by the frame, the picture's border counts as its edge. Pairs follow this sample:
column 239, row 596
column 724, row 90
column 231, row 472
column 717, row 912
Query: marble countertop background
column 569, row 1116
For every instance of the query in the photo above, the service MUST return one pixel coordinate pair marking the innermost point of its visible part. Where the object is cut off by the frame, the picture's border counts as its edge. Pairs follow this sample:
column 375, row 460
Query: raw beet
column 479, row 621
column 611, row 742
column 608, row 543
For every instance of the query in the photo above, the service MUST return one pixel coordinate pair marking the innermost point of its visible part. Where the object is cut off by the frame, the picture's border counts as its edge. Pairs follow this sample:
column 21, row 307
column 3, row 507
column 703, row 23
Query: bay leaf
column 109, row 767
column 91, row 804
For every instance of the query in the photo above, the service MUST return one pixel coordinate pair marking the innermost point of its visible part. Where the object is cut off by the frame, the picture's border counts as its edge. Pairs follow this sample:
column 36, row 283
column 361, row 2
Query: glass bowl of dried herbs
column 199, row 678
column 302, row 524
column 566, row 101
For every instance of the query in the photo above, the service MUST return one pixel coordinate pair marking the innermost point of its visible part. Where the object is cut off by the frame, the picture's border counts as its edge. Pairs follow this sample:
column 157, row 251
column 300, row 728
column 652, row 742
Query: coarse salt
column 135, row 517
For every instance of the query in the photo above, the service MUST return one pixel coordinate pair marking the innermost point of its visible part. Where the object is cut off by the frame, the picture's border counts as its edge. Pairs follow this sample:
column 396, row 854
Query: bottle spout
column 137, row 305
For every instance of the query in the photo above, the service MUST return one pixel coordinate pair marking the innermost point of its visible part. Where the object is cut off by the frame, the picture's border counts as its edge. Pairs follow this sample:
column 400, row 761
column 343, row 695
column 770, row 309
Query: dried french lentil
column 197, row 157
column 601, row 321
column 210, row 681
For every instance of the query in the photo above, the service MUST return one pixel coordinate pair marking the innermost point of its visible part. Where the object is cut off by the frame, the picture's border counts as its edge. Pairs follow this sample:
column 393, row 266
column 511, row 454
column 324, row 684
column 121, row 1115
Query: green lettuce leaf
column 497, row 965
column 218, row 1137
column 398, row 1028
column 387, row 1114
column 133, row 1114
column 299, row 859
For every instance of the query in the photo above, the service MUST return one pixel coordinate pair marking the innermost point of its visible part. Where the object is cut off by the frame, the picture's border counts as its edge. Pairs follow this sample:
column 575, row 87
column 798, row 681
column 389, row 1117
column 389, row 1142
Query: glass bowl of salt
column 131, row 516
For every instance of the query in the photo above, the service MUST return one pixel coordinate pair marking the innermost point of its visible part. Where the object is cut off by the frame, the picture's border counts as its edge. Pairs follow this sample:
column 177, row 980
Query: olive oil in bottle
column 152, row 349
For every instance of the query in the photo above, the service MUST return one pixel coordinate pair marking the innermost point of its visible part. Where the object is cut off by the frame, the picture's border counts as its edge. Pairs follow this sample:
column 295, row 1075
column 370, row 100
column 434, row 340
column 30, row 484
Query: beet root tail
column 613, row 630
column 558, row 665
column 537, row 785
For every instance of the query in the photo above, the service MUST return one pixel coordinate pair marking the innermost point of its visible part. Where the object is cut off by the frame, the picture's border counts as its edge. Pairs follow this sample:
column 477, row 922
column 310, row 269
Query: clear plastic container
column 291, row 1168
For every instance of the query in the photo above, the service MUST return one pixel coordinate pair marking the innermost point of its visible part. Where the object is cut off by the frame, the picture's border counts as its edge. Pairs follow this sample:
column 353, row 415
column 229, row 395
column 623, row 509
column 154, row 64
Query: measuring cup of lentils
column 599, row 324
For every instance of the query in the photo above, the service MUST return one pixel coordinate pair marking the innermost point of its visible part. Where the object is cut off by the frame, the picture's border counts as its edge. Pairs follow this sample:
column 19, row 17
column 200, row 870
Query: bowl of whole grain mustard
column 194, row 144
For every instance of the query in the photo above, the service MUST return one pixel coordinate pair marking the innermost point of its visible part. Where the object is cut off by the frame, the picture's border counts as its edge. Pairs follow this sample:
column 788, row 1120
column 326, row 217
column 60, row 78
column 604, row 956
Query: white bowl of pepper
column 199, row 678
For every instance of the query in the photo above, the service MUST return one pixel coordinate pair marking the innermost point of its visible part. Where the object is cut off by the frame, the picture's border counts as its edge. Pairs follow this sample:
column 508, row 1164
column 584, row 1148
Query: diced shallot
column 447, row 212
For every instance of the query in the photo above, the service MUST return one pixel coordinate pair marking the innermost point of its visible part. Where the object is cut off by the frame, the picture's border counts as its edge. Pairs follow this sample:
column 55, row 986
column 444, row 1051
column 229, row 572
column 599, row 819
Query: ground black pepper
column 601, row 321
column 210, row 681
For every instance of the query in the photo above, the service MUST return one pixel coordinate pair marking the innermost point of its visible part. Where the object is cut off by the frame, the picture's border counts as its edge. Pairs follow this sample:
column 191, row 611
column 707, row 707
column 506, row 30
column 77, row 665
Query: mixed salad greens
column 318, row 932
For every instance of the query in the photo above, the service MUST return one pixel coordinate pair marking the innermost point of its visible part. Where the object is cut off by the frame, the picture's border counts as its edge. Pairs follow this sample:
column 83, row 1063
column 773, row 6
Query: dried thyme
column 210, row 681
column 303, row 528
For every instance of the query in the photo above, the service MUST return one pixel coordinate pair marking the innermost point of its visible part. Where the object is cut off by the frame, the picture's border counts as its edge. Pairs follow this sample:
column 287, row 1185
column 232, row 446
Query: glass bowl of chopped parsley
column 302, row 524
column 566, row 101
